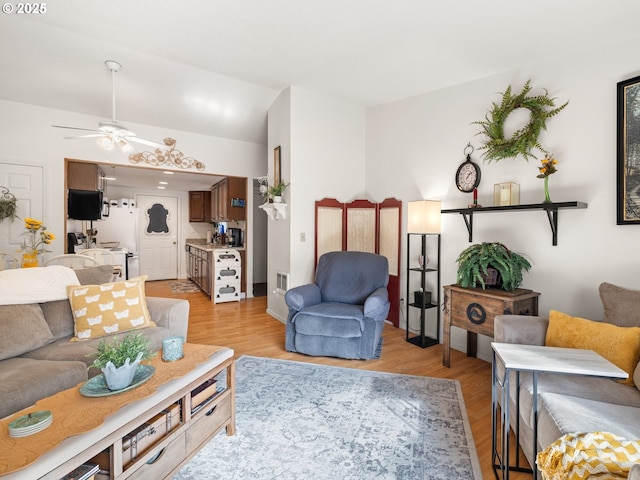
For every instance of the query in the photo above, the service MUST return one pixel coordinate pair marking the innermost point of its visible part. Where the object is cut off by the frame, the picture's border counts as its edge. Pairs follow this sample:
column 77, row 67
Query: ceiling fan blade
column 90, row 135
column 145, row 142
column 76, row 128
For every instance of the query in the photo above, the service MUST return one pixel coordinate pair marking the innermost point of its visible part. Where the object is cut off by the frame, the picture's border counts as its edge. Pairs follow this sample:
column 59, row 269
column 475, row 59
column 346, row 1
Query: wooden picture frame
column 628, row 152
column 276, row 165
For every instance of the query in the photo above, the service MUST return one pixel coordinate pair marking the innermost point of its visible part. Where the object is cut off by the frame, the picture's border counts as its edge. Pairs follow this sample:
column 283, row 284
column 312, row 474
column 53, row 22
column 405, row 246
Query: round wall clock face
column 468, row 176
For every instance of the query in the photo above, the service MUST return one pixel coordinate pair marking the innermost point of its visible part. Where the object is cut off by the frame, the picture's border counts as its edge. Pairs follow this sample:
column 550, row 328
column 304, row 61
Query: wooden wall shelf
column 551, row 210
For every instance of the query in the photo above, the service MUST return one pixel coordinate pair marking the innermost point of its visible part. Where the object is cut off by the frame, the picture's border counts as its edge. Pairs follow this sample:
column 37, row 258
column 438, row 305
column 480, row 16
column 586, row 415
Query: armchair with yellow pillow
column 51, row 318
column 574, row 408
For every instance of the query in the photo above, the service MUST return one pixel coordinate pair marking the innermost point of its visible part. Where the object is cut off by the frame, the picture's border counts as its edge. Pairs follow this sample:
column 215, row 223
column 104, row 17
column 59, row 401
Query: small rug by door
column 183, row 286
column 302, row 421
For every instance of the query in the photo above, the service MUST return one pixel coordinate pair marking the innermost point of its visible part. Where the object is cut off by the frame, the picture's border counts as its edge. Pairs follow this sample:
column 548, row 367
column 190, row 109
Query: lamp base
column 423, row 342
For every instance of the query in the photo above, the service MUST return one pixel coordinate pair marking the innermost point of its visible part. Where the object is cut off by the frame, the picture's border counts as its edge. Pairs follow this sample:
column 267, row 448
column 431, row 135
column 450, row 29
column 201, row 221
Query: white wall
column 415, row 146
column 26, row 137
column 322, row 146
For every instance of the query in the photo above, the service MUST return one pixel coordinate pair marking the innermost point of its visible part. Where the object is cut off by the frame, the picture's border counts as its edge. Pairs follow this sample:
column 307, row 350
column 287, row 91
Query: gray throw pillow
column 95, row 275
column 621, row 305
column 22, row 329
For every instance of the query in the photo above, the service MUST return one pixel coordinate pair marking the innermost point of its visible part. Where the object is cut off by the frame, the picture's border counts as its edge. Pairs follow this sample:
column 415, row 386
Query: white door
column 158, row 229
column 25, row 183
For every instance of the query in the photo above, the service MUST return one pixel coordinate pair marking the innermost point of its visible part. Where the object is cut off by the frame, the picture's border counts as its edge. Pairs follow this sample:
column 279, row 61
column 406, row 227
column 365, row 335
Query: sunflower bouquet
column 36, row 238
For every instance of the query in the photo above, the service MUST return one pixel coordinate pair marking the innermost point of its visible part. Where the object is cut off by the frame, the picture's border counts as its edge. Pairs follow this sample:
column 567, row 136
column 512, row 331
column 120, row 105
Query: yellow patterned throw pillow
column 100, row 310
column 619, row 345
column 578, row 456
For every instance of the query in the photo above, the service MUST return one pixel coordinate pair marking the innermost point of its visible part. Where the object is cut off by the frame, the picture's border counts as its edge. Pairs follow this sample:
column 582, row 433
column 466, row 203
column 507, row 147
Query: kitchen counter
column 203, row 245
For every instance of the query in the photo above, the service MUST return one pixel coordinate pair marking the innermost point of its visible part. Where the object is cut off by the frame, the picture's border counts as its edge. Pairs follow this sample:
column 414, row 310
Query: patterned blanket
column 577, row 456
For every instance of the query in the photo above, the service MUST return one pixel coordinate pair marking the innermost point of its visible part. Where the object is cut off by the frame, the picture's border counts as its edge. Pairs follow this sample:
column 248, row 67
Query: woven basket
column 492, row 278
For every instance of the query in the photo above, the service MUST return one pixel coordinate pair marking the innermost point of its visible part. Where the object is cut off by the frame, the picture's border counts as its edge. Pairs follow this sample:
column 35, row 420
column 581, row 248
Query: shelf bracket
column 552, row 215
column 468, row 220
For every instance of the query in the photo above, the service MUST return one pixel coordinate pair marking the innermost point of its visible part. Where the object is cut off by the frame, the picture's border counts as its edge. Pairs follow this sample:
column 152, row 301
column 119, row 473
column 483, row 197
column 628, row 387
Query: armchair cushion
column 331, row 320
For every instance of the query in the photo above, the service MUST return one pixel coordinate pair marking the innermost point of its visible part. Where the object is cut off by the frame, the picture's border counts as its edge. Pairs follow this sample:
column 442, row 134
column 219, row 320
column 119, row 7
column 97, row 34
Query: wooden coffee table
column 164, row 458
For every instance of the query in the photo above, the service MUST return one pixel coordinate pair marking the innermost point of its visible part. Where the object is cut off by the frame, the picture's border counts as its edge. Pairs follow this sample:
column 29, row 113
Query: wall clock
column 468, row 173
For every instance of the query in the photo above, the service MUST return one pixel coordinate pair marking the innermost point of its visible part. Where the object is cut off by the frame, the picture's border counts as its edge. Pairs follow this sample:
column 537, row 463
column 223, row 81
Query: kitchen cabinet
column 84, row 176
column 228, row 199
column 199, row 264
column 200, row 206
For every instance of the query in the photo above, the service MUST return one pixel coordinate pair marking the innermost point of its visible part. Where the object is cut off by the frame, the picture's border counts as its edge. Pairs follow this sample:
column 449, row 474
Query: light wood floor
column 249, row 330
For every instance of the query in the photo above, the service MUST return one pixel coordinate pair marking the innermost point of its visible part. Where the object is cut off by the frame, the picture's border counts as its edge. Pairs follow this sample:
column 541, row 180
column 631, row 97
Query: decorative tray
column 97, row 386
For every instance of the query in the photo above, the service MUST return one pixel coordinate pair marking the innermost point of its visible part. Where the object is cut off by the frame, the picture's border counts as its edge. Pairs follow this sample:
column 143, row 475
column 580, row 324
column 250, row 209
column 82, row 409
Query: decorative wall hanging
column 171, row 157
column 8, row 205
column 524, row 140
column 628, row 172
column 277, row 165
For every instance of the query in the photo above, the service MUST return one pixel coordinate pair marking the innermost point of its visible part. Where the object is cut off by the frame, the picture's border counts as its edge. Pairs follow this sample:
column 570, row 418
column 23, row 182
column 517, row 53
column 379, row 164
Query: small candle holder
column 172, row 349
column 507, row 193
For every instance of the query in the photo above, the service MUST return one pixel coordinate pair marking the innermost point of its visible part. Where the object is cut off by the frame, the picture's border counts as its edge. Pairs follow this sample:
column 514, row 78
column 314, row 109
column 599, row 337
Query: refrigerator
column 121, row 226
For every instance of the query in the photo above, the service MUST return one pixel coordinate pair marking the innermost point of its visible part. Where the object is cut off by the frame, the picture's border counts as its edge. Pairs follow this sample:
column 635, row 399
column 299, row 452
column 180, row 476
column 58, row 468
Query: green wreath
column 523, row 140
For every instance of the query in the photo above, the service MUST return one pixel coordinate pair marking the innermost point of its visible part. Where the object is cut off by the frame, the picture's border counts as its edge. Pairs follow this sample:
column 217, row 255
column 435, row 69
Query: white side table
column 535, row 359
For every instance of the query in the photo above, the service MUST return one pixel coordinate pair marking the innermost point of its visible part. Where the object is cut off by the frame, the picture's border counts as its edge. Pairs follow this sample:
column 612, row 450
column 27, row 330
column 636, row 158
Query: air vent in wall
column 282, row 282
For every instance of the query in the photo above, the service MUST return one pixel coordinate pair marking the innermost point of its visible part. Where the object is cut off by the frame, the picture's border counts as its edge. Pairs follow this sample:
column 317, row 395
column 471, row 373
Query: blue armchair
column 342, row 314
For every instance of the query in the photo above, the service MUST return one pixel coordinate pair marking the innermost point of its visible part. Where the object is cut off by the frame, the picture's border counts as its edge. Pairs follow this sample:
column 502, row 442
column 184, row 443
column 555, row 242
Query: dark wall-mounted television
column 84, row 204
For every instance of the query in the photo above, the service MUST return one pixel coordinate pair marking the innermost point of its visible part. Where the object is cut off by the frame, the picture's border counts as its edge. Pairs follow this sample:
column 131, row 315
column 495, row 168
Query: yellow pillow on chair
column 619, row 345
column 100, row 310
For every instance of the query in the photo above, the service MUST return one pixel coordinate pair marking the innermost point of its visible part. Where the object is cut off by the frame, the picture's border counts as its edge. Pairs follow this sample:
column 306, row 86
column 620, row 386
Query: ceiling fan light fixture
column 105, row 143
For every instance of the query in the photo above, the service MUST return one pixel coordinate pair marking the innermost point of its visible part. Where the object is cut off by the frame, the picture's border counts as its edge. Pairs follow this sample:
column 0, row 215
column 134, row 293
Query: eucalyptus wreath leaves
column 8, row 205
column 524, row 140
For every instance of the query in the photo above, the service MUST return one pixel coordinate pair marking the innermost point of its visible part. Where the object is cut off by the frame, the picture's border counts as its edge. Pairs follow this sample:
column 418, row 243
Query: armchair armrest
column 524, row 329
column 171, row 313
column 376, row 305
column 303, row 296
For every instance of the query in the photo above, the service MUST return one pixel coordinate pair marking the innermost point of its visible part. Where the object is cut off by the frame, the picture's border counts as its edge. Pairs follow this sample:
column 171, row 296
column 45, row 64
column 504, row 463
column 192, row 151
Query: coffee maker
column 235, row 237
column 75, row 239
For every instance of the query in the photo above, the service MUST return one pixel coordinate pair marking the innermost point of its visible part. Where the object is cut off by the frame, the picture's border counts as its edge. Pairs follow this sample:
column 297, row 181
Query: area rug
column 184, row 286
column 303, row 421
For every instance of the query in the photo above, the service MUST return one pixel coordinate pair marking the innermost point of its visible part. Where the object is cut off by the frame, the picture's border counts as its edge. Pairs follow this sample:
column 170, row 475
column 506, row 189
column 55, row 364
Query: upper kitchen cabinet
column 200, row 206
column 84, row 176
column 228, row 199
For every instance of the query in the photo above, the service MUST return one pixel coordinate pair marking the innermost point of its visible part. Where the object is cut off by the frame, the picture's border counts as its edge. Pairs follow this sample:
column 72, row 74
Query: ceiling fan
column 110, row 134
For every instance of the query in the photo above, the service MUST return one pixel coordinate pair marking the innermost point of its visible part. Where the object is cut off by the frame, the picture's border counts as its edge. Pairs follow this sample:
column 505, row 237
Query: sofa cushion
column 22, row 328
column 561, row 414
column 100, row 310
column 85, row 351
column 43, row 378
column 619, row 345
column 94, row 275
column 59, row 318
column 620, row 305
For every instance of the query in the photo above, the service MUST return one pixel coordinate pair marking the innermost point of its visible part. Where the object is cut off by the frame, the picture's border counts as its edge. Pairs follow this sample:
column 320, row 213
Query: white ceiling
column 215, row 66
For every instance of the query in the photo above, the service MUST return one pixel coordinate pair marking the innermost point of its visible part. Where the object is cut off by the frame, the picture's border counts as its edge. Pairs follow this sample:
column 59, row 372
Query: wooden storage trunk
column 149, row 433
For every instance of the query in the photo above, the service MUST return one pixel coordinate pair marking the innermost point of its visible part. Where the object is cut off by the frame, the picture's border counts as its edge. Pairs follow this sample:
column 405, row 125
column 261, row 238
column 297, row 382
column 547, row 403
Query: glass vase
column 30, row 259
column 547, row 198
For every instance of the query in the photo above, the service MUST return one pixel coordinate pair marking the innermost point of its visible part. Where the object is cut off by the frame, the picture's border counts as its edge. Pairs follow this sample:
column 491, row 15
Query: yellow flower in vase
column 35, row 239
column 547, row 167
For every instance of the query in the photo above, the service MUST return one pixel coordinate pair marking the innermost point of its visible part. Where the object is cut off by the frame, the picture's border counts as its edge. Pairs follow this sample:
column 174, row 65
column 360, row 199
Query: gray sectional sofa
column 37, row 357
column 571, row 403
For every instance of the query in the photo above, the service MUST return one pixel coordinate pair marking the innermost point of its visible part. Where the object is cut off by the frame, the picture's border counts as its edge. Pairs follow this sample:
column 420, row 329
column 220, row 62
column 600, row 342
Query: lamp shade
column 423, row 216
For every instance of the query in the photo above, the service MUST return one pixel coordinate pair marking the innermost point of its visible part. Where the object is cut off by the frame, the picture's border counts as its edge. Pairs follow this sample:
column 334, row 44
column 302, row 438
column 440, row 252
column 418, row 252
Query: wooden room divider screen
column 366, row 227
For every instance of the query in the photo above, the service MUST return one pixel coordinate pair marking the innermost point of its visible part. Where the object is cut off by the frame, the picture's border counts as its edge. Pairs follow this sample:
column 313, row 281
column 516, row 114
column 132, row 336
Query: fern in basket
column 475, row 261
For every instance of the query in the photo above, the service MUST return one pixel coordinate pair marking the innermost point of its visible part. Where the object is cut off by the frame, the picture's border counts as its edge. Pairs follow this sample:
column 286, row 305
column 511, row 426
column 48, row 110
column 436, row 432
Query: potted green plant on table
column 119, row 359
column 491, row 264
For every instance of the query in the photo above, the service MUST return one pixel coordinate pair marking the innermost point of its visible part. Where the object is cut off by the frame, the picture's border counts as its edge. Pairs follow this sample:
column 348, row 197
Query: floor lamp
column 423, row 219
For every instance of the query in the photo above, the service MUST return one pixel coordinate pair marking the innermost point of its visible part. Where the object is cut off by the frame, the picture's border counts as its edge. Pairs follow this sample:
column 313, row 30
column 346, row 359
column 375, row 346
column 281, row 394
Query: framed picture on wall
column 628, row 152
column 276, row 165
